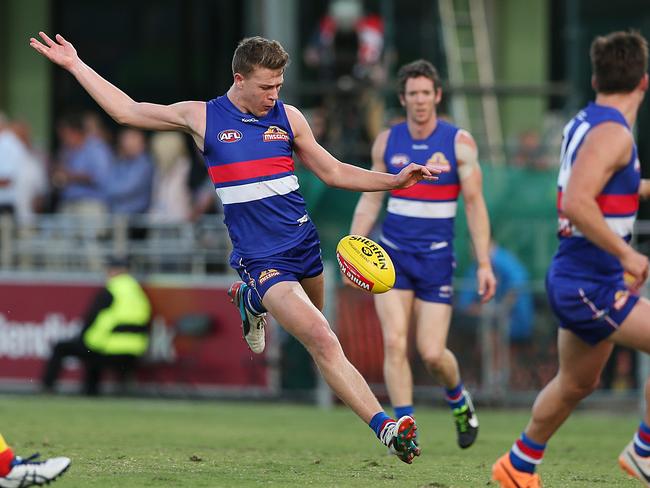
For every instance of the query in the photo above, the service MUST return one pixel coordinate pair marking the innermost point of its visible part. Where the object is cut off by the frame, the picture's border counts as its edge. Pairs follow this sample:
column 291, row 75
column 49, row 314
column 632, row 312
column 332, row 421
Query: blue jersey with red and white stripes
column 618, row 201
column 421, row 218
column 249, row 160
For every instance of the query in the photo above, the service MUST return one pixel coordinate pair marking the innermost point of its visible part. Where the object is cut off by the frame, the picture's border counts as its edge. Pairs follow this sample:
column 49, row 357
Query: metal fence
column 66, row 243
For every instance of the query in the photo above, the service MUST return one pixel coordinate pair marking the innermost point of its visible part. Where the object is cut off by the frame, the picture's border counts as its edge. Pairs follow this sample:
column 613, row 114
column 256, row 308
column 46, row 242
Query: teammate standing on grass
column 247, row 137
column 418, row 235
column 16, row 472
column 594, row 278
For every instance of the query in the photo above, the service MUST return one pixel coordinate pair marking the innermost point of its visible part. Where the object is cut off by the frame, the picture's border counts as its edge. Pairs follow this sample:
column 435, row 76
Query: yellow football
column 365, row 263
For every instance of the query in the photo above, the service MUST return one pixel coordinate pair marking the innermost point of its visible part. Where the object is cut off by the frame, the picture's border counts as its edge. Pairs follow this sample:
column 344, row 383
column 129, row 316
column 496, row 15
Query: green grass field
column 163, row 443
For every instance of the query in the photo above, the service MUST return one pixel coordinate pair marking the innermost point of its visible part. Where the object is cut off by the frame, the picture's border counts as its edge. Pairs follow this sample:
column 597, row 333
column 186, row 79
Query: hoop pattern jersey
column 249, row 160
column 418, row 230
column 585, row 283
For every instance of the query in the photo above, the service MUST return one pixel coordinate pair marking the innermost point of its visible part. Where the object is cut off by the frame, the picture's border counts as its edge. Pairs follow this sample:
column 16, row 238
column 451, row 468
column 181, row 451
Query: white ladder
column 469, row 62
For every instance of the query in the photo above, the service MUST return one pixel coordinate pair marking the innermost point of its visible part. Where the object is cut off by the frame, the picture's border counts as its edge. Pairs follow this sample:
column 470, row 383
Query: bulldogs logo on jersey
column 399, row 160
column 229, row 136
column 440, row 161
column 274, row 133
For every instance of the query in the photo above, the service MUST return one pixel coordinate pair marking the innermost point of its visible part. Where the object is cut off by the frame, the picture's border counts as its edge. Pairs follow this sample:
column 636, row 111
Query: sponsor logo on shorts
column 620, row 299
column 353, row 274
column 230, row 135
column 440, row 161
column 445, row 291
column 303, row 220
column 399, row 160
column 369, row 249
column 267, row 274
column 274, row 133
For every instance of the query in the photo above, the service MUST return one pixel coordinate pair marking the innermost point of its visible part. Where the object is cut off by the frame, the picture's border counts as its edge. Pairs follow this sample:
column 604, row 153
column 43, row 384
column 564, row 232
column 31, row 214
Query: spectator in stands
column 83, row 168
column 12, row 152
column 513, row 294
column 348, row 50
column 171, row 200
column 115, row 331
column 131, row 177
column 95, row 128
column 31, row 180
column 530, row 153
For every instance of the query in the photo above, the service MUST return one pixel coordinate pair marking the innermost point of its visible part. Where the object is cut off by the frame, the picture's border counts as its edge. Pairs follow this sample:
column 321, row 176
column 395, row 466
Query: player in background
column 247, row 137
column 16, row 472
column 594, row 277
column 418, row 234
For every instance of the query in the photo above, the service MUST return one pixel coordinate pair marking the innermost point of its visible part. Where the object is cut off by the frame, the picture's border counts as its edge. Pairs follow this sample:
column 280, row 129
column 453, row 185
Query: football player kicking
column 247, row 137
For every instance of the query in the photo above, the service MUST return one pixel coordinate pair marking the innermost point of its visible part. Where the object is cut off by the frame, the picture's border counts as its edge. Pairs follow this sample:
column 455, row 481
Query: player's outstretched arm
column 478, row 220
column 184, row 116
column 342, row 175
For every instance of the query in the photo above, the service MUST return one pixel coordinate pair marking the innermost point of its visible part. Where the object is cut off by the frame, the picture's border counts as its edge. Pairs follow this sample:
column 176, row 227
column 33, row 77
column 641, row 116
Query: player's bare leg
column 635, row 333
column 315, row 289
column 292, row 308
column 394, row 311
column 290, row 305
column 433, row 321
column 578, row 376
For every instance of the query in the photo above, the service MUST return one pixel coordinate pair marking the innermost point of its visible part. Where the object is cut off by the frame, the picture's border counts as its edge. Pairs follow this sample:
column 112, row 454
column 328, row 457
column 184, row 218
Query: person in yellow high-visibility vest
column 115, row 332
column 18, row 472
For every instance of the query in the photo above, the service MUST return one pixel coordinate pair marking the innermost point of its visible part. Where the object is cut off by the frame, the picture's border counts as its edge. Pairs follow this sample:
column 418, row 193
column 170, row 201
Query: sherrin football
column 365, row 263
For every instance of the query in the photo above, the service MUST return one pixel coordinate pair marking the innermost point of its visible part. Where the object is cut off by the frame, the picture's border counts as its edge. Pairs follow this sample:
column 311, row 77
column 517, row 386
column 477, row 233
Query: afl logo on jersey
column 230, row 135
column 440, row 161
column 399, row 160
column 274, row 133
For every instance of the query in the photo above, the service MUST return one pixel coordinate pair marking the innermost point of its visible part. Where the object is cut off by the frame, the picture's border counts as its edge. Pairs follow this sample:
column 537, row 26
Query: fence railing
column 66, row 243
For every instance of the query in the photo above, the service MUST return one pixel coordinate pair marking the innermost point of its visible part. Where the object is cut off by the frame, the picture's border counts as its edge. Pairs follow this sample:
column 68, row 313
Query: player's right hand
column 60, row 52
column 635, row 265
column 411, row 174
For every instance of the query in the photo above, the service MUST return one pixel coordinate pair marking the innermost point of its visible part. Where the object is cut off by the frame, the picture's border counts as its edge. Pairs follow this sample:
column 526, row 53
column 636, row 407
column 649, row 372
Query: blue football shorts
column 590, row 309
column 428, row 275
column 295, row 264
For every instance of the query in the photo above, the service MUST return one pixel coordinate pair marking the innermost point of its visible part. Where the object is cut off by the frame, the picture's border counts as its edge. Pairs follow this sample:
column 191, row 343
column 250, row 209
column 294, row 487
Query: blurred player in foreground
column 16, row 472
column 418, row 235
column 247, row 137
column 594, row 278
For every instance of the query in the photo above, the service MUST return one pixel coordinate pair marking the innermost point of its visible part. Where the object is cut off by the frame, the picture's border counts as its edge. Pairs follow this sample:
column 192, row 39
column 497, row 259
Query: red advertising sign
column 195, row 341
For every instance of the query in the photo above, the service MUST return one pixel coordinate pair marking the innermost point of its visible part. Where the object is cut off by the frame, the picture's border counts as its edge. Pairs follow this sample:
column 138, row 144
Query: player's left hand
column 487, row 283
column 413, row 173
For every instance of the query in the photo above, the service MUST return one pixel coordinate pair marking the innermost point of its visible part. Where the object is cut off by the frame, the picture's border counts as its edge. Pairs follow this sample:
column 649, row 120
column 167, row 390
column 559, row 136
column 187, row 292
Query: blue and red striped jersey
column 421, row 218
column 618, row 200
column 249, row 160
